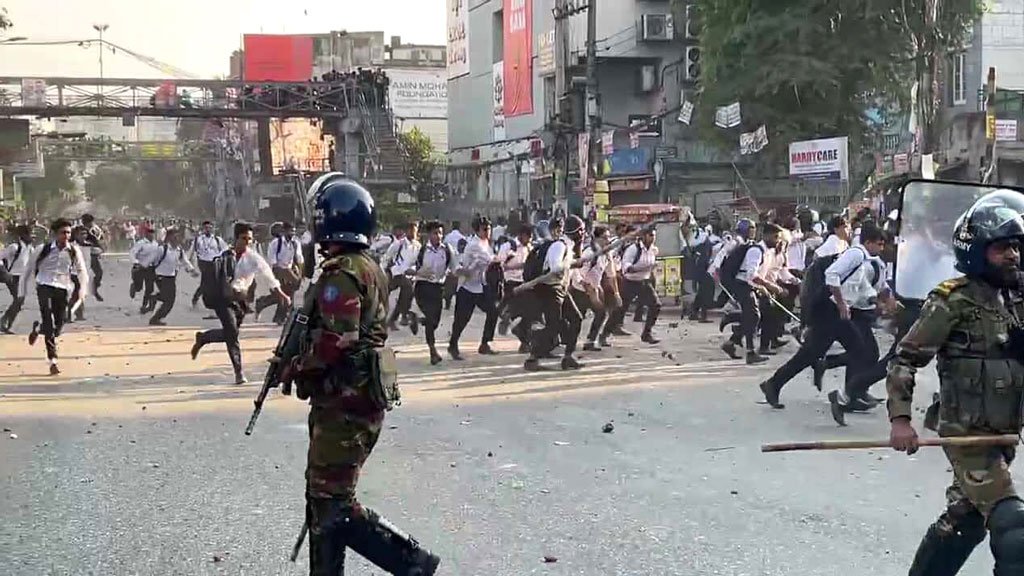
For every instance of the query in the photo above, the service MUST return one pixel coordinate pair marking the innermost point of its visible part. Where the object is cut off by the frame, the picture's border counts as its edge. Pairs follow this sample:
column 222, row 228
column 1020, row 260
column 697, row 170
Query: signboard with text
column 518, row 62
column 823, row 159
column 418, row 93
column 458, row 38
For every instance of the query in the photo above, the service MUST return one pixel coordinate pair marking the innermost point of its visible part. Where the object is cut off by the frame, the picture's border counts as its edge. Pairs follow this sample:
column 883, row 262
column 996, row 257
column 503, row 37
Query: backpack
column 733, row 262
column 533, row 267
column 48, row 247
column 447, row 255
column 814, row 292
column 218, row 291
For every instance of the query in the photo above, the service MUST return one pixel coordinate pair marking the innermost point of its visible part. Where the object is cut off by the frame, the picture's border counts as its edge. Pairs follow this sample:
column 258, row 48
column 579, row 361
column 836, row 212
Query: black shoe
column 724, row 322
column 405, row 320
column 54, row 371
column 729, row 348
column 435, row 358
column 638, row 318
column 591, row 347
column 392, row 327
column 486, row 350
column 570, row 363
column 155, row 322
column 34, row 334
column 532, row 365
column 777, row 343
column 197, row 346
column 621, row 332
column 861, row 405
column 503, row 327
column 771, row 395
column 603, row 342
column 6, row 330
column 766, row 351
column 819, row 368
column 96, row 293
column 414, row 325
column 648, row 338
column 241, row 380
column 524, row 348
column 838, row 410
column 755, row 358
column 453, row 351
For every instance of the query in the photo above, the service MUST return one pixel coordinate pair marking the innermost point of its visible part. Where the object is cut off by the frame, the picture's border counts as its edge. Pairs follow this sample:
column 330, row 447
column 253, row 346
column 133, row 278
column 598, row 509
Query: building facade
column 418, row 89
column 501, row 141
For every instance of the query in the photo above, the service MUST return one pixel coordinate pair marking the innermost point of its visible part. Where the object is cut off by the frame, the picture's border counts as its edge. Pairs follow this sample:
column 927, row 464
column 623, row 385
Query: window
column 498, row 36
column 957, row 83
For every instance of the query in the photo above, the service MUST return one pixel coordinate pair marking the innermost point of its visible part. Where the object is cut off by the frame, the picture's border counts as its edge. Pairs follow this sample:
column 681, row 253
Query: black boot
column 392, row 550
column 328, row 526
column 945, row 548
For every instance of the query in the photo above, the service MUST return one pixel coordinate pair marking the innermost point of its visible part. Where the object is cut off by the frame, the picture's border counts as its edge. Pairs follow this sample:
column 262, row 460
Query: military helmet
column 744, row 228
column 343, row 211
column 993, row 217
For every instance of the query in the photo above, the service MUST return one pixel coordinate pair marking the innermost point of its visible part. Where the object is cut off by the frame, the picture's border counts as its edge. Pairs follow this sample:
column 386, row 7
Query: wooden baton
column 961, row 441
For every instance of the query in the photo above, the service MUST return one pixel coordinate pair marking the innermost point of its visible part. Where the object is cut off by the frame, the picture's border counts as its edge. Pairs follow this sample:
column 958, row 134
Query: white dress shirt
column 796, row 254
column 147, row 254
column 513, row 260
column 437, row 262
column 775, row 268
column 452, row 239
column 56, row 269
column 208, row 247
column 283, row 252
column 475, row 260
column 402, row 256
column 833, row 245
column 721, row 254
column 559, row 260
column 248, row 267
column 752, row 260
column 859, row 276
column 641, row 258
column 17, row 256
column 169, row 260
column 593, row 272
column 140, row 250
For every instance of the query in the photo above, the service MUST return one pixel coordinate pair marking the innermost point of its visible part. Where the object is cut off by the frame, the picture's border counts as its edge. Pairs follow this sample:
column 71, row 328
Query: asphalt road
column 133, row 461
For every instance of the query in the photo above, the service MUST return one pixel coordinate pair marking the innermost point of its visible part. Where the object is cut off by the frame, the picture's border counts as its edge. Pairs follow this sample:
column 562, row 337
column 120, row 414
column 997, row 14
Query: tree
column 44, row 194
column 810, row 68
column 418, row 152
column 113, row 184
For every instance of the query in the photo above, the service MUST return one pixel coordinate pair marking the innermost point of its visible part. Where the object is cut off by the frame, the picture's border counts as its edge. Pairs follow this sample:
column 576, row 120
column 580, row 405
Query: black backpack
column 218, row 291
column 533, row 267
column 814, row 292
column 48, row 247
column 447, row 255
column 734, row 261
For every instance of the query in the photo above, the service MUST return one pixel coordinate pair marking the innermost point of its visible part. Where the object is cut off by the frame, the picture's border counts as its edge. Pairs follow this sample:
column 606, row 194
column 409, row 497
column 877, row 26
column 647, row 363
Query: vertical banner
column 546, row 53
column 583, row 151
column 608, row 142
column 518, row 39
column 458, row 38
column 634, row 140
column 499, row 100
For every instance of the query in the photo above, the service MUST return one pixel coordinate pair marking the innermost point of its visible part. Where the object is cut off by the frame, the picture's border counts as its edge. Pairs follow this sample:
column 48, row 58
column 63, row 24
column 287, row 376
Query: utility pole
column 593, row 99
column 101, row 28
column 992, row 169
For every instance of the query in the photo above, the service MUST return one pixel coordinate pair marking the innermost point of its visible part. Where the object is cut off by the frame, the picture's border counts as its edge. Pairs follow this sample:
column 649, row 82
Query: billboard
column 546, row 53
column 297, row 144
column 458, row 38
column 518, row 40
column 823, row 159
column 277, row 58
column 418, row 93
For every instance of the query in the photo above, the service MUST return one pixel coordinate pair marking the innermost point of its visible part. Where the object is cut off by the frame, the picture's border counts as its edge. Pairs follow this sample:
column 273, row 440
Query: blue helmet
column 993, row 217
column 343, row 211
column 744, row 228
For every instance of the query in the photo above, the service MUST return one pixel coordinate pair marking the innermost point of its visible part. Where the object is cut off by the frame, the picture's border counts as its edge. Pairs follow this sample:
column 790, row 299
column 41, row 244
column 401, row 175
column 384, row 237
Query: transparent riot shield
column 924, row 253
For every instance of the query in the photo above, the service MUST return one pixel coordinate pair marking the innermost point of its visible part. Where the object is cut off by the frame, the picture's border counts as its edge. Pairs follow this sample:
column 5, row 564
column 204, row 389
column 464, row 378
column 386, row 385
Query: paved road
column 133, row 462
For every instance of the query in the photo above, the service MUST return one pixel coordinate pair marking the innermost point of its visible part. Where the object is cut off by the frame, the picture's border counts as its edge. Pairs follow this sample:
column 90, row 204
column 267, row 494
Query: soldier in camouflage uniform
column 973, row 325
column 348, row 376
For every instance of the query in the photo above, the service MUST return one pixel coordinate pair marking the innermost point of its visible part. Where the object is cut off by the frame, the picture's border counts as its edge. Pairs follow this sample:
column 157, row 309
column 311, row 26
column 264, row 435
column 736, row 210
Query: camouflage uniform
column 967, row 324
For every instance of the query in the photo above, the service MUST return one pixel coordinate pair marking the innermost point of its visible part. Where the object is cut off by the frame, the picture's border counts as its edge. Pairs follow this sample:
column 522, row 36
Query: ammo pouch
column 383, row 375
column 374, row 366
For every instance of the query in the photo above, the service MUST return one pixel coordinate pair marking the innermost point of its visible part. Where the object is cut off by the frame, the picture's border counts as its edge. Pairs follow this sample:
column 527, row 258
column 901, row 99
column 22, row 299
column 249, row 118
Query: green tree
column 418, row 152
column 808, row 68
column 114, row 185
column 47, row 193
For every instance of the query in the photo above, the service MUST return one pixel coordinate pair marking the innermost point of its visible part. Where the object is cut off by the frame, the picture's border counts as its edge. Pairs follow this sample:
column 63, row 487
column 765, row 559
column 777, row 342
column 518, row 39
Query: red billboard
column 518, row 67
column 277, row 58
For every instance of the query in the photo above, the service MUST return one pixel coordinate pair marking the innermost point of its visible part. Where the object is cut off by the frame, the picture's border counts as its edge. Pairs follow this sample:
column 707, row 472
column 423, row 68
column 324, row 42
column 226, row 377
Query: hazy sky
column 194, row 35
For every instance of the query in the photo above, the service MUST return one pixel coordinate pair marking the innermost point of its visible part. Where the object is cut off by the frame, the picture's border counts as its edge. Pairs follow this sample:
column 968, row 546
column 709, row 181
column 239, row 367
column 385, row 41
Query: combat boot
column 946, row 547
column 328, row 527
column 392, row 550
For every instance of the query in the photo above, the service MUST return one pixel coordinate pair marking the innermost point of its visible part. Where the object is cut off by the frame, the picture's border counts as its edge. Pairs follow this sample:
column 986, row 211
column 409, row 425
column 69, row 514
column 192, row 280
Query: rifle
column 289, row 345
column 961, row 441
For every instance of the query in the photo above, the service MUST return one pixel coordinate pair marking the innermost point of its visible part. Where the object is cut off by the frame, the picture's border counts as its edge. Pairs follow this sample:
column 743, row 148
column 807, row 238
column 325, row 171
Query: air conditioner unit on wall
column 656, row 27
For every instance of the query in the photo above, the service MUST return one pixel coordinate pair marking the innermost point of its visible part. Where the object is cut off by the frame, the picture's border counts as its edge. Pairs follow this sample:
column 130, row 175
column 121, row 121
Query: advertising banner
column 418, row 93
column 546, row 53
column 824, row 159
column 1006, row 130
column 518, row 39
column 277, row 58
column 458, row 38
column 498, row 92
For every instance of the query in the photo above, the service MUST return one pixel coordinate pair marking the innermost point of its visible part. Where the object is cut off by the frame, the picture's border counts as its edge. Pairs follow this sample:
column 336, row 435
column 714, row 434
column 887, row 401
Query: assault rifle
column 289, row 345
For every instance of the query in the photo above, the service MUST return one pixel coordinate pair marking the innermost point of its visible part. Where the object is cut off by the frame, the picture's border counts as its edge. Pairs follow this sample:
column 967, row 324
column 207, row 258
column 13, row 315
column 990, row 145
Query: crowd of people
column 370, row 83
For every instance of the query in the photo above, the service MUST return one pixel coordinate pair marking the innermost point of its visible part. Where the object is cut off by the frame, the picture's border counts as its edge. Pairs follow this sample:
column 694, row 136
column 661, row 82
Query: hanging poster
column 686, row 112
column 518, row 40
column 728, row 116
column 458, row 38
column 753, row 142
column 608, row 142
column 583, row 151
column 498, row 93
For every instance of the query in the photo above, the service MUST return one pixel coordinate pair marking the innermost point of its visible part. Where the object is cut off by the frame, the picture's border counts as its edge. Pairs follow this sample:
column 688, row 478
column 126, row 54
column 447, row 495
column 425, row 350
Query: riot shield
column 924, row 253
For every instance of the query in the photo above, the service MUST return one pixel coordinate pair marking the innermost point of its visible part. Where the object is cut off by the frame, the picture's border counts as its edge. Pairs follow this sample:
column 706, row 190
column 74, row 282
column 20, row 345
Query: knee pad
column 1006, row 523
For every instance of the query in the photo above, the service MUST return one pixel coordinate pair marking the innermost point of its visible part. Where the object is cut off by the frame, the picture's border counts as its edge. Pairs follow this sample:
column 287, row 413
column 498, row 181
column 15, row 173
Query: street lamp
column 101, row 28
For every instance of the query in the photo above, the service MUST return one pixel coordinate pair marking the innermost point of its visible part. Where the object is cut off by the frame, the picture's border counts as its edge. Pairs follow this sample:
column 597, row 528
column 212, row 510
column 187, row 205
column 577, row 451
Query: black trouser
column 465, row 303
column 97, row 272
column 148, row 278
column 574, row 310
column 774, row 318
column 288, row 285
column 404, row 286
column 207, row 274
column 601, row 314
column 76, row 292
column 17, row 302
column 643, row 292
column 549, row 303
column 510, row 307
column 168, row 293
column 751, row 314
column 451, row 286
column 53, row 308
column 230, row 317
column 865, row 379
column 428, row 299
column 856, row 387
column 827, row 327
column 705, row 297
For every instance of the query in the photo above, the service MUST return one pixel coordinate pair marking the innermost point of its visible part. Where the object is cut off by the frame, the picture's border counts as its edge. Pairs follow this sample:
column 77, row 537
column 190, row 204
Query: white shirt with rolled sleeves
column 56, row 268
column 832, row 245
column 474, row 264
column 513, row 260
column 207, row 248
column 284, row 252
column 17, row 256
column 643, row 262
column 593, row 272
column 774, row 268
column 250, row 267
column 559, row 259
column 403, row 254
column 437, row 263
column 796, row 253
column 168, row 263
column 751, row 265
column 854, row 274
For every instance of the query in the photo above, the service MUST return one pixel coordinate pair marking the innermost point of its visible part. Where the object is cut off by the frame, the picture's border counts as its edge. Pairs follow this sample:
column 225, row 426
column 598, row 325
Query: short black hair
column 241, row 228
column 599, row 232
column 837, row 222
column 59, row 223
column 22, row 229
column 87, row 219
column 288, row 226
column 871, row 233
column 433, row 225
column 481, row 222
column 526, row 228
column 769, row 228
column 205, row 222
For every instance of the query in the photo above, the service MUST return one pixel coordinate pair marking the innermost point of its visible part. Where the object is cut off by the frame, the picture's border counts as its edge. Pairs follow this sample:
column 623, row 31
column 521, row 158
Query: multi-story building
column 501, row 145
column 418, row 89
